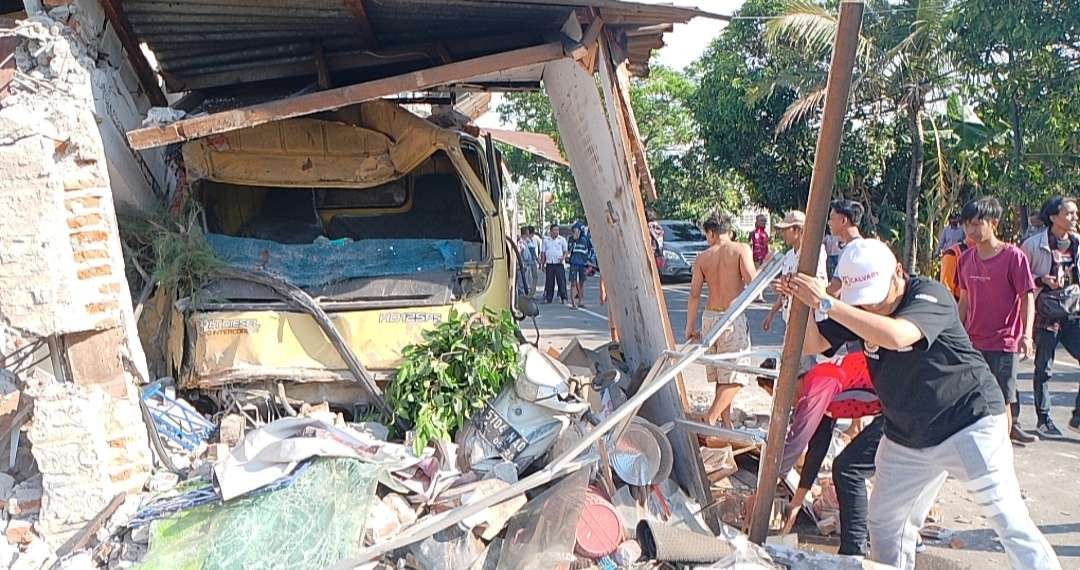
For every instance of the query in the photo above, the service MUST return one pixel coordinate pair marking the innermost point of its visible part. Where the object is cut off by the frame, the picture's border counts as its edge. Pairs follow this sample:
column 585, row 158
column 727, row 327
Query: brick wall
column 62, row 274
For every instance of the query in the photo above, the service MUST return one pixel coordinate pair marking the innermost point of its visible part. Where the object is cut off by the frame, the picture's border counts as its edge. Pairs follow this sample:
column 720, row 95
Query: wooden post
column 616, row 217
column 817, row 209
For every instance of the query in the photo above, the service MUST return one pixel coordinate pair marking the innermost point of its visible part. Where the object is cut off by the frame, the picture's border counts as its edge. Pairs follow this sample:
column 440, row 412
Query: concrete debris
column 935, row 532
column 157, row 116
column 231, row 430
column 20, row 531
column 25, row 498
column 162, row 481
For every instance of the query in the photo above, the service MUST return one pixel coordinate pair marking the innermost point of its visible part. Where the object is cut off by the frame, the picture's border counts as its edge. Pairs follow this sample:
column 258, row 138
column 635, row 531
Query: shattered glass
column 314, row 523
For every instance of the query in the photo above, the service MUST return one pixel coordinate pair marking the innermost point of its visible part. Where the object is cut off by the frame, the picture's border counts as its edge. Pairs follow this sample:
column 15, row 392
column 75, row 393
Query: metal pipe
column 821, row 185
column 706, row 429
column 727, row 365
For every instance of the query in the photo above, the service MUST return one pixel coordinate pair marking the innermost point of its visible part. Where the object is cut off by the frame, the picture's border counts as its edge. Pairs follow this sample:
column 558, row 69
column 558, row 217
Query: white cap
column 865, row 270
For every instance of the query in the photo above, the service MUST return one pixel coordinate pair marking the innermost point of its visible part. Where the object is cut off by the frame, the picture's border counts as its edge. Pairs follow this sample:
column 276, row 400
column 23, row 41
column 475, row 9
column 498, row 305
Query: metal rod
column 821, row 185
column 706, row 429
column 727, row 365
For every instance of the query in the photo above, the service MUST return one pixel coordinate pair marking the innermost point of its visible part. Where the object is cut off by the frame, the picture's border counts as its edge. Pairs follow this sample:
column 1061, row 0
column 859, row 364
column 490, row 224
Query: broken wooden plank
column 114, row 12
column 81, row 539
column 821, row 184
column 622, row 84
column 244, row 117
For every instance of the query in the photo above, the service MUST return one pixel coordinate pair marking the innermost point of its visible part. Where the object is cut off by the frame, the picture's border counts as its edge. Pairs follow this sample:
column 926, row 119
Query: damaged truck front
column 389, row 221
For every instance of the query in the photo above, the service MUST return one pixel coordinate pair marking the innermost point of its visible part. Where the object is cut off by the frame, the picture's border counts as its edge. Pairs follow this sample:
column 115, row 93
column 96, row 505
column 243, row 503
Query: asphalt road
column 1047, row 469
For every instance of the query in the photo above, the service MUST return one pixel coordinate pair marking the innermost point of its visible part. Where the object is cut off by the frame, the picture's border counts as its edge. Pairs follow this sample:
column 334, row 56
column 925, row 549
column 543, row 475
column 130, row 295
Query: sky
column 682, row 46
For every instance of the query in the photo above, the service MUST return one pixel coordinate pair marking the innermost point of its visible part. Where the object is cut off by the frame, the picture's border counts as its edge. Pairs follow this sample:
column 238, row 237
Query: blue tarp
column 325, row 261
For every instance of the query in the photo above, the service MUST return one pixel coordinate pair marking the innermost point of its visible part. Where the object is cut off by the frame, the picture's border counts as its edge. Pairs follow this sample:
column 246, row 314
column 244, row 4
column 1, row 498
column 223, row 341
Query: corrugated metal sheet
column 206, row 44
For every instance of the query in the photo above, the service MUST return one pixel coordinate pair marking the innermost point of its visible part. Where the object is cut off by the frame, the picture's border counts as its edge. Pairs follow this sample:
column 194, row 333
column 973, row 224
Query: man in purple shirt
column 997, row 301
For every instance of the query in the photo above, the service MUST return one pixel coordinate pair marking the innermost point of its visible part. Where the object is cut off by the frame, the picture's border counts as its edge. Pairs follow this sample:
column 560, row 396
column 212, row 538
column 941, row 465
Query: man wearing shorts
column 997, row 302
column 581, row 254
column 727, row 267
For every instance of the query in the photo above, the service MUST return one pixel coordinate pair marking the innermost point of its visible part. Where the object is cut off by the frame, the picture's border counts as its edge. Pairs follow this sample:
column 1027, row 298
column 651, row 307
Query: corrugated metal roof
column 209, row 44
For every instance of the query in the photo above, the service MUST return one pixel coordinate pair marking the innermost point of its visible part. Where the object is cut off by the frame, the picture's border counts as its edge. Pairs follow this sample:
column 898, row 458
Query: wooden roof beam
column 244, row 117
column 114, row 13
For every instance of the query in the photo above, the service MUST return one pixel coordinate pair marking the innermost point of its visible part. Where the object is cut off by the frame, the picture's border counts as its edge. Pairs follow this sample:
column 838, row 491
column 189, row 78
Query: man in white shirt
column 555, row 251
column 530, row 259
column 791, row 230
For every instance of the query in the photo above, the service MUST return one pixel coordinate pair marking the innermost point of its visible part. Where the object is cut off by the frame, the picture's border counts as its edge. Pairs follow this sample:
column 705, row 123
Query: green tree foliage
column 1020, row 62
column 456, row 368
column 688, row 183
column 952, row 99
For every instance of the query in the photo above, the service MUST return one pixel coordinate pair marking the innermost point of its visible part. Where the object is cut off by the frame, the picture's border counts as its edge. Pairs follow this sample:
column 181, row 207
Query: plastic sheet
column 313, row 523
column 543, row 534
column 325, row 261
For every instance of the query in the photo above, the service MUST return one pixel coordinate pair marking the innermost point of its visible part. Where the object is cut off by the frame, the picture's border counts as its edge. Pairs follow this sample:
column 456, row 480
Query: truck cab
column 387, row 220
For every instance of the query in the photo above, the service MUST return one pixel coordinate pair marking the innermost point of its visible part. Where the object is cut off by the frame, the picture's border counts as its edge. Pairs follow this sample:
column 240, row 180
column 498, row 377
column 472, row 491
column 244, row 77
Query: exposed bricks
column 95, row 308
column 88, row 202
column 89, row 237
column 109, row 289
column 19, row 531
column 85, row 255
column 96, row 271
column 76, row 222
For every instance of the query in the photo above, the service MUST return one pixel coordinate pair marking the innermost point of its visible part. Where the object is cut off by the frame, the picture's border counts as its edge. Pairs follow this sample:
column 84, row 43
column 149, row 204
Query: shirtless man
column 727, row 267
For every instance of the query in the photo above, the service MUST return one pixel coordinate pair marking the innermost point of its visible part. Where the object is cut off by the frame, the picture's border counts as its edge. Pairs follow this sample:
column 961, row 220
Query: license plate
column 498, row 432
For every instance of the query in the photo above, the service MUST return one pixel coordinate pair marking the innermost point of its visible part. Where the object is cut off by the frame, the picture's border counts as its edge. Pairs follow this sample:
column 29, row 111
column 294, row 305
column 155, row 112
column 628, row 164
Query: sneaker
column 1020, row 436
column 1049, row 430
column 1074, row 424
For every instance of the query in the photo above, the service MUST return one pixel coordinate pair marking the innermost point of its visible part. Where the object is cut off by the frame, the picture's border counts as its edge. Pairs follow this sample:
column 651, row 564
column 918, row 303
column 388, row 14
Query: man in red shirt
column 833, row 390
column 759, row 240
column 997, row 301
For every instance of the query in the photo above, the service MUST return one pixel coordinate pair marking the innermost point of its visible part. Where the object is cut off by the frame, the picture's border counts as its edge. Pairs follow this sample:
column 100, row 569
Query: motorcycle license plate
column 498, row 432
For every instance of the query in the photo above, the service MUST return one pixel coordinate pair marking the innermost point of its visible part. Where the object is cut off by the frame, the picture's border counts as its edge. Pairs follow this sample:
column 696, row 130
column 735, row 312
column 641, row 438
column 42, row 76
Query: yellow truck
column 386, row 219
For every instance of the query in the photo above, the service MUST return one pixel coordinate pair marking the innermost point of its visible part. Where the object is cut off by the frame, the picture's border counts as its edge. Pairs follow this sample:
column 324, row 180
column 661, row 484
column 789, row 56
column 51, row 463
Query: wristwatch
column 825, row 305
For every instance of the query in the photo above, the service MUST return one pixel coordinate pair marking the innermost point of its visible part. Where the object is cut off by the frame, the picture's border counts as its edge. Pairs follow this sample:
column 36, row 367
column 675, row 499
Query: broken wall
column 139, row 180
column 62, row 277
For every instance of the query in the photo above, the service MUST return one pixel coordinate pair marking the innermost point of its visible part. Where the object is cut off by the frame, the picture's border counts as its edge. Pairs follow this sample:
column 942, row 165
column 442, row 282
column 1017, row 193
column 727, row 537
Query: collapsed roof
column 208, row 44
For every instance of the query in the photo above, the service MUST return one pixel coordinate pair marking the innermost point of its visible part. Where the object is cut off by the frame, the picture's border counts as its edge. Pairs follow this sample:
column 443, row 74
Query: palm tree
column 902, row 65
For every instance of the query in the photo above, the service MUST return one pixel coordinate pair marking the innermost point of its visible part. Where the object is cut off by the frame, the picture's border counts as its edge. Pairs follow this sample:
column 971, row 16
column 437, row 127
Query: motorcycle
column 524, row 422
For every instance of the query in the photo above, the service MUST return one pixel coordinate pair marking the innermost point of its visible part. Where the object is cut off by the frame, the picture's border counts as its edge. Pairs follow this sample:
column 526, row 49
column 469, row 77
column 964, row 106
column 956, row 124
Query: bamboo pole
column 817, row 209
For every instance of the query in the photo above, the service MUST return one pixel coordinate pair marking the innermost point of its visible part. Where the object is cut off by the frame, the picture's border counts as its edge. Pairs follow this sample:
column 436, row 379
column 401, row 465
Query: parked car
column 683, row 241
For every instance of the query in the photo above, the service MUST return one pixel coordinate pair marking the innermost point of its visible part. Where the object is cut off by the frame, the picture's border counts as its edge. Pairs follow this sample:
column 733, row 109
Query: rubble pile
column 312, row 490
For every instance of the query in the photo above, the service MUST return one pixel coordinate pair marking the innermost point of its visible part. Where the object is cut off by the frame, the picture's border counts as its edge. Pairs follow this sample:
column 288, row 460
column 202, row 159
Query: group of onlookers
column 933, row 367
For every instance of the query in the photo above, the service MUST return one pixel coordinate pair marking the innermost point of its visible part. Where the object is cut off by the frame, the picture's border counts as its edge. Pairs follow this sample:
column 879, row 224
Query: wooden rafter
column 359, row 13
column 197, row 127
column 146, row 74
